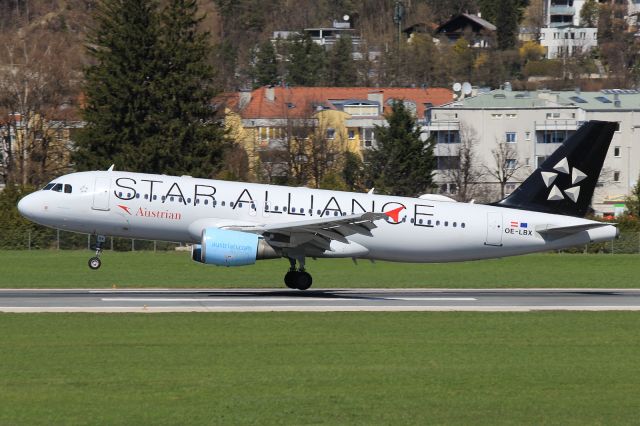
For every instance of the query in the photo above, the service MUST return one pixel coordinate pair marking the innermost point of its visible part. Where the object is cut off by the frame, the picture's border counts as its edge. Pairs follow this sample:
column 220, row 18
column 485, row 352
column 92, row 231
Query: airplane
column 237, row 223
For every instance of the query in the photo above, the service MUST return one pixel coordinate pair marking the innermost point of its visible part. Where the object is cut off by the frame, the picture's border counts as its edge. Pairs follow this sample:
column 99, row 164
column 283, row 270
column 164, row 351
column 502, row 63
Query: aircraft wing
column 316, row 232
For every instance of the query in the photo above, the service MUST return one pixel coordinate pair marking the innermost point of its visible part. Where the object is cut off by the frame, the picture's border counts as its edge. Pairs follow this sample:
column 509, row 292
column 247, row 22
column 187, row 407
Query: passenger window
column 57, row 187
column 171, row 199
column 188, row 200
column 137, row 195
column 437, row 223
column 223, row 205
column 446, row 223
column 146, row 196
column 155, row 197
column 206, row 202
column 462, row 225
column 455, row 224
column 301, row 211
column 67, row 188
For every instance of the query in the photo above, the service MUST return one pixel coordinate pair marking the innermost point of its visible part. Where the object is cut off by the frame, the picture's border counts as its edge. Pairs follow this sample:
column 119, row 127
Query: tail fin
column 564, row 183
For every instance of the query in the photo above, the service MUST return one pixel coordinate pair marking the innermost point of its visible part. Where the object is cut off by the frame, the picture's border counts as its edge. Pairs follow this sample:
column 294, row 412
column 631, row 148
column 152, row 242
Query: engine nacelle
column 231, row 248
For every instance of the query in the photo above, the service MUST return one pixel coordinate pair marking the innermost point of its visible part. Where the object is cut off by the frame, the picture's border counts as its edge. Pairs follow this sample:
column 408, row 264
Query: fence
column 45, row 238
column 51, row 239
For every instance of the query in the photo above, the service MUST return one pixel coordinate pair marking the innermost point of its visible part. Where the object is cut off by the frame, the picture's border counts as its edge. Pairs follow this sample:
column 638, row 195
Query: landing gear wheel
column 303, row 280
column 297, row 278
column 290, row 279
column 94, row 263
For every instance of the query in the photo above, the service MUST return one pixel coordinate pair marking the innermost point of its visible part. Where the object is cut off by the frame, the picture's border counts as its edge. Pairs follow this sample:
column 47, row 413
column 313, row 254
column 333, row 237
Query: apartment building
column 533, row 125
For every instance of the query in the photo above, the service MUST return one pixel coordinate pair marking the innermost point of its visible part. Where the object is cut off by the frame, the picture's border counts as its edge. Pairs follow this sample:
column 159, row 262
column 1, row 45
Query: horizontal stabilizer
column 568, row 230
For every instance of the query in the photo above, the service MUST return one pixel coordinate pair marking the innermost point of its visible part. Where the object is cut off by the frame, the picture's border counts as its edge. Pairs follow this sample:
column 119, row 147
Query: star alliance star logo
column 555, row 194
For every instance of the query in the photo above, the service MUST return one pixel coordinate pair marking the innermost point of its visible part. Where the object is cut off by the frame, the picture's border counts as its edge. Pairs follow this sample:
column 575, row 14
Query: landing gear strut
column 297, row 278
column 94, row 262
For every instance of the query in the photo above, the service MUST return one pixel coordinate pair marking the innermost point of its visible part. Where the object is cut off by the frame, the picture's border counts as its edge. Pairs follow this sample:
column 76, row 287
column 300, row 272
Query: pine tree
column 307, row 62
column 124, row 46
column 402, row 164
column 342, row 68
column 189, row 140
column 266, row 66
column 149, row 92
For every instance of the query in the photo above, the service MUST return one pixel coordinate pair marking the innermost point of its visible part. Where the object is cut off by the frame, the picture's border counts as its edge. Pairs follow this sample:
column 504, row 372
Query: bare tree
column 505, row 164
column 36, row 91
column 468, row 174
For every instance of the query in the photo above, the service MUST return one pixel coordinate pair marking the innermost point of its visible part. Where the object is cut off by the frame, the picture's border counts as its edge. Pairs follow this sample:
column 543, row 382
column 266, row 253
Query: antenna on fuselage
column 110, row 169
column 370, row 192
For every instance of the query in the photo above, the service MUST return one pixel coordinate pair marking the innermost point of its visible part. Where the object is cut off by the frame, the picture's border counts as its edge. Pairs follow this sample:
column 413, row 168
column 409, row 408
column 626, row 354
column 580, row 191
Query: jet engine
column 231, row 248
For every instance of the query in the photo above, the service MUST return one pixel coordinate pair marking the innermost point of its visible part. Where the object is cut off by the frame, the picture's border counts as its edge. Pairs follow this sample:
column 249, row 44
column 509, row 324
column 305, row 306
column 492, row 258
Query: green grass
column 334, row 368
column 50, row 269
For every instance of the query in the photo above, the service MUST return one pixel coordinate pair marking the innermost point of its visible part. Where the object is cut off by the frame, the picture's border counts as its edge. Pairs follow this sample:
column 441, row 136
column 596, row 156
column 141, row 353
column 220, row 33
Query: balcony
column 558, row 124
column 559, row 9
column 443, row 125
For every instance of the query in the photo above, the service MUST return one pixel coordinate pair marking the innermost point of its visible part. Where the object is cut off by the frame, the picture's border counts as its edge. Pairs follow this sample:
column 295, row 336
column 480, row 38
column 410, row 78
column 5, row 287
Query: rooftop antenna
column 457, row 88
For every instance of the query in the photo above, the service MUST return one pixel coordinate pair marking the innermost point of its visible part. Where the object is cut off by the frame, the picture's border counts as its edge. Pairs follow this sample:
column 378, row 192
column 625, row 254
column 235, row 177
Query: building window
column 331, row 133
column 510, row 137
column 616, row 151
column 527, row 136
column 616, row 176
column 509, row 188
column 352, row 134
column 511, row 163
column 553, row 136
column 448, row 137
column 448, row 162
column 553, row 115
column 511, row 115
column 496, row 116
column 367, row 137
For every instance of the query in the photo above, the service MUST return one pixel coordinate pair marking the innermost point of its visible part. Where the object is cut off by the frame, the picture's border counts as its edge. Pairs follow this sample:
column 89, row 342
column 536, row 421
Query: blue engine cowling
column 231, row 248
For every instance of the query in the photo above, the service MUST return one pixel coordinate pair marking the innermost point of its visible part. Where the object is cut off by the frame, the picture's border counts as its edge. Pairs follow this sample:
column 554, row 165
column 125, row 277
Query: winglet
column 395, row 213
column 110, row 169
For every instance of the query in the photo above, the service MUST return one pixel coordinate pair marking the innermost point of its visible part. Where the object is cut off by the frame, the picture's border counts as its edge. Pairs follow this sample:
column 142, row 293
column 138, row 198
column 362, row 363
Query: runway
column 319, row 300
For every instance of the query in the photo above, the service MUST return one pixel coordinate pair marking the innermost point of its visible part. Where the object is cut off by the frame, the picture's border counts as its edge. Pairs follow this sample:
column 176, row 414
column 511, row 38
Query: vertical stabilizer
column 565, row 182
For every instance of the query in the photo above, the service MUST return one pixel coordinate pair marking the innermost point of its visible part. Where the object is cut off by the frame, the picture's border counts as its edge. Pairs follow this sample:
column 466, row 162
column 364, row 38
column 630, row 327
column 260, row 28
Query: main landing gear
column 94, row 262
column 297, row 278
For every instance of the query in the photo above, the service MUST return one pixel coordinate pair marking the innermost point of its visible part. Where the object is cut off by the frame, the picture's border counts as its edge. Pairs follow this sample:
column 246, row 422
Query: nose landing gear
column 297, row 278
column 95, row 262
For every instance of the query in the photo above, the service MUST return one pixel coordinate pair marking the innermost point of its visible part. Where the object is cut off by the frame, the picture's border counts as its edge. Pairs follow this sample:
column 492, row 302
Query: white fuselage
column 159, row 207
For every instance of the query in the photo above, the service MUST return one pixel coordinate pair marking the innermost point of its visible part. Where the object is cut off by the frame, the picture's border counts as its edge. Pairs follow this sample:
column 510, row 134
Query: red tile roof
column 291, row 102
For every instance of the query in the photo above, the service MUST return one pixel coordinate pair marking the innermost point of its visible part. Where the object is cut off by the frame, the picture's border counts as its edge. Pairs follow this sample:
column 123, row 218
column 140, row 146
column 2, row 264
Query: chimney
column 377, row 97
column 270, row 94
column 245, row 98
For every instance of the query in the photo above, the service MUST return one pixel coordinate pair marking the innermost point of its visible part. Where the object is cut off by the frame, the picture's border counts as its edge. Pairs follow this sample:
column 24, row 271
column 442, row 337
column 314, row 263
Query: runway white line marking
column 217, row 299
column 433, row 299
column 278, row 299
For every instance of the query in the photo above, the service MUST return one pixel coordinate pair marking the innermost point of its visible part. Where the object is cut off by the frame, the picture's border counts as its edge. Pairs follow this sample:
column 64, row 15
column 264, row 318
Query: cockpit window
column 57, row 187
column 67, row 188
column 48, row 187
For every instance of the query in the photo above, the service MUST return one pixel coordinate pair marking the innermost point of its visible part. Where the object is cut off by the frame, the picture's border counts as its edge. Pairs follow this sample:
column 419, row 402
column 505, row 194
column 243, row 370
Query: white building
column 562, row 42
column 533, row 125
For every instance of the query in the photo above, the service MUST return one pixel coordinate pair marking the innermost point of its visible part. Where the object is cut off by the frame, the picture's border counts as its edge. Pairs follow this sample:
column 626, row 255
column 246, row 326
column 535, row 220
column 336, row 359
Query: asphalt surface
column 264, row 300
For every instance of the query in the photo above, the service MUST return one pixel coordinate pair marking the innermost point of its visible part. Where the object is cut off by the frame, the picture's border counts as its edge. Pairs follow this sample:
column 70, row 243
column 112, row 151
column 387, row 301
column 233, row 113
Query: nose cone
column 28, row 206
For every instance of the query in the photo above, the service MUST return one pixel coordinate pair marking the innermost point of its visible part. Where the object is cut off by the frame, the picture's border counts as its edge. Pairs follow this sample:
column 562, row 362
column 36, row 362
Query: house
column 275, row 120
column 476, row 30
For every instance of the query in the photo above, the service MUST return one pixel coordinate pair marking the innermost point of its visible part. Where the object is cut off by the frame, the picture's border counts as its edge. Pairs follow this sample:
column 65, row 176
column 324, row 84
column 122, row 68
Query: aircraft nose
column 27, row 206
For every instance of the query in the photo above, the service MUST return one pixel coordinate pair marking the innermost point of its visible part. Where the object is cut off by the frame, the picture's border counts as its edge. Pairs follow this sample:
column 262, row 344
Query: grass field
column 338, row 368
column 50, row 269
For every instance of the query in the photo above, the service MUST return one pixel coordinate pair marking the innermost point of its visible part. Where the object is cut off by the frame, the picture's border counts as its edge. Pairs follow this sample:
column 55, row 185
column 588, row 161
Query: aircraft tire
column 290, row 279
column 303, row 280
column 95, row 263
